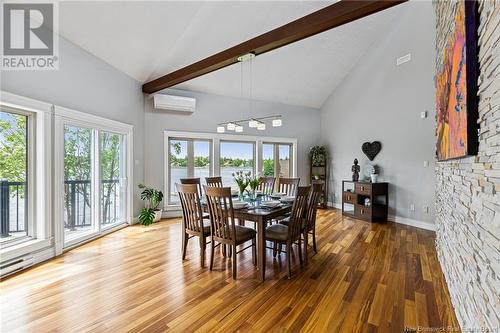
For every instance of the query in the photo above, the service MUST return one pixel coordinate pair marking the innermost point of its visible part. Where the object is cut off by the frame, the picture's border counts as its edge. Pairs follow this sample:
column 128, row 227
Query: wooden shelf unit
column 322, row 172
column 377, row 193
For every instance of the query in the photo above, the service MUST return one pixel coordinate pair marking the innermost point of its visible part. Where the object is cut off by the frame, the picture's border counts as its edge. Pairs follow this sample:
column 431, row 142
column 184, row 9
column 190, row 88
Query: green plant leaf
column 147, row 216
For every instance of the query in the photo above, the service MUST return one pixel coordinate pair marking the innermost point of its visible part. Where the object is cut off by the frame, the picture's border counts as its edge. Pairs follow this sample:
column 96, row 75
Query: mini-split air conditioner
column 174, row 103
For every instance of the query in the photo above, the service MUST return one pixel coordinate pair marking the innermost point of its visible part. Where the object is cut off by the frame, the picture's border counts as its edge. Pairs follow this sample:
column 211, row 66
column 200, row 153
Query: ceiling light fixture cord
column 241, row 85
column 251, row 84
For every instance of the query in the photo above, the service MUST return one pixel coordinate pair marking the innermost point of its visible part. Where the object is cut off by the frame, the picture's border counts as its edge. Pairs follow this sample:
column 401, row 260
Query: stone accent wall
column 468, row 190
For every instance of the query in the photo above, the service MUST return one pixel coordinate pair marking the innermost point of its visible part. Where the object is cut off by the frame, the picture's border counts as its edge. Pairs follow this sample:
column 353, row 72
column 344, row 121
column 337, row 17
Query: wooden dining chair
column 288, row 185
column 193, row 222
column 195, row 181
column 214, row 181
column 224, row 230
column 290, row 234
column 266, row 185
column 310, row 216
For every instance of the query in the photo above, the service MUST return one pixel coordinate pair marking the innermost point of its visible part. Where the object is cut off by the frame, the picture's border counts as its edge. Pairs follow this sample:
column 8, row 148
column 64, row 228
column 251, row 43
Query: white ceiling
column 150, row 39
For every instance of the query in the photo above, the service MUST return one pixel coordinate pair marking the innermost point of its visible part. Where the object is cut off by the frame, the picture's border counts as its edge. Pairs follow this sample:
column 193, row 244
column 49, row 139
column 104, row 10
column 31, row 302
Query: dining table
column 257, row 211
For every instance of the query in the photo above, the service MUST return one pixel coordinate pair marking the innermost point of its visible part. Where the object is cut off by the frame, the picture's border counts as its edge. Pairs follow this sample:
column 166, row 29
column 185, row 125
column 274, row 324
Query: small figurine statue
column 355, row 171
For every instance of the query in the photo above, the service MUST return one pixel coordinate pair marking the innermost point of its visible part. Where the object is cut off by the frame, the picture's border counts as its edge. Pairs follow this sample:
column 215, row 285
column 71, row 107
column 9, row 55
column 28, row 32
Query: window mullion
column 190, row 158
column 276, row 154
column 216, row 157
column 30, row 177
column 96, row 180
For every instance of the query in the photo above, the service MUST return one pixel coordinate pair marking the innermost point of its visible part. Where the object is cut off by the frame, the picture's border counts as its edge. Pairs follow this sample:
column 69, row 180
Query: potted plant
column 318, row 156
column 151, row 213
column 242, row 179
column 373, row 170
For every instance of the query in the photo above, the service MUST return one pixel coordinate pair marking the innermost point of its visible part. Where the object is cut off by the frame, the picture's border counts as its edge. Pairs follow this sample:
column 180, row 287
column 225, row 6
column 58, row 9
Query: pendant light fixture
column 256, row 122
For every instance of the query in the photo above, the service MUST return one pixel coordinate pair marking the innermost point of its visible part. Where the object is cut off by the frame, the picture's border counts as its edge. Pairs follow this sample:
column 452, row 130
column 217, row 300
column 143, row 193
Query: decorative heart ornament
column 371, row 149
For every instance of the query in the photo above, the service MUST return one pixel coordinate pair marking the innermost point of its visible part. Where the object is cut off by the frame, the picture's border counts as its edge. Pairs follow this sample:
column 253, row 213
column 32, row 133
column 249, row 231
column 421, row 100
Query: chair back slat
column 266, row 185
column 192, row 214
column 288, row 185
column 196, row 181
column 312, row 206
column 298, row 212
column 214, row 181
column 220, row 208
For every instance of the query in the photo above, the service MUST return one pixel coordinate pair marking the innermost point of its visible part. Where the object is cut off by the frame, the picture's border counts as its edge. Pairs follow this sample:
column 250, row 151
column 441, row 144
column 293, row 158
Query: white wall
column 88, row 84
column 380, row 101
column 298, row 122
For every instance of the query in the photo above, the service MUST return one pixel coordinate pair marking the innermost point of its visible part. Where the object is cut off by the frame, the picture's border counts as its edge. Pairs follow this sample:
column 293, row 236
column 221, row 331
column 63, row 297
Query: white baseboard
column 171, row 213
column 334, row 205
column 413, row 223
column 398, row 219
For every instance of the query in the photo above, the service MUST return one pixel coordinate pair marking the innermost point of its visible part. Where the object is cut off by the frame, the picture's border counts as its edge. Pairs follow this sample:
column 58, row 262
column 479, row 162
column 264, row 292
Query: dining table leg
column 261, row 248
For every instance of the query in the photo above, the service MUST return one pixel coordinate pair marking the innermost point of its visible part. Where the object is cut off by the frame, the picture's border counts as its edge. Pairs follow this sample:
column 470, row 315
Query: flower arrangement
column 242, row 179
column 254, row 183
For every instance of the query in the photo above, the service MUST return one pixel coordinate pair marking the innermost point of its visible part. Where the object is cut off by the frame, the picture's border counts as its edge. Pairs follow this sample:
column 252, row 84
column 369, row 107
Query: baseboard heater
column 16, row 265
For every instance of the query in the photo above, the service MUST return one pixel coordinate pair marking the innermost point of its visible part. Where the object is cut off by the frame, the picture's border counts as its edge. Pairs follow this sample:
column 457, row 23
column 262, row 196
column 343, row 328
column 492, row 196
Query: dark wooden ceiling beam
column 332, row 16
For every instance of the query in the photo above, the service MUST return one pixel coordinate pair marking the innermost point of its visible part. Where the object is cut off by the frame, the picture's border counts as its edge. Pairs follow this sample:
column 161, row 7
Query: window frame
column 39, row 175
column 190, row 161
column 64, row 116
column 216, row 139
column 276, row 157
column 30, row 177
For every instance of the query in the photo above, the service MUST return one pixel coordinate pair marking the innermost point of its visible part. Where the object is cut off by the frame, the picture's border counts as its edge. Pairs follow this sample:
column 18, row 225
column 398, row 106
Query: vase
column 253, row 194
column 374, row 178
column 157, row 215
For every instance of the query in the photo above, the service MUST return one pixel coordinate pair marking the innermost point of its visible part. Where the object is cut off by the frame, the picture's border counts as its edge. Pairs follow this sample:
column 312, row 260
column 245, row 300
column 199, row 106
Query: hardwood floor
column 365, row 278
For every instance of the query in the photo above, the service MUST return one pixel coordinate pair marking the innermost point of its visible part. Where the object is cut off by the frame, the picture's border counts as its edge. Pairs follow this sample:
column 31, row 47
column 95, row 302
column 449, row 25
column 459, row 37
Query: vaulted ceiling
column 149, row 39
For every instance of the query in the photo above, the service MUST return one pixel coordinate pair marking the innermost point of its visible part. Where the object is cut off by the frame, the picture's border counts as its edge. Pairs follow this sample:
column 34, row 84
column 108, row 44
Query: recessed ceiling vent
column 403, row 59
column 174, row 103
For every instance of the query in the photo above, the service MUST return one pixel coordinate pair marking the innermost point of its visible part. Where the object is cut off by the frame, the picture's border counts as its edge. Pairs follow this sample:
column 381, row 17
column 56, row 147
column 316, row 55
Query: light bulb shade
column 261, row 126
column 253, row 123
column 231, row 126
column 238, row 128
column 276, row 122
column 220, row 129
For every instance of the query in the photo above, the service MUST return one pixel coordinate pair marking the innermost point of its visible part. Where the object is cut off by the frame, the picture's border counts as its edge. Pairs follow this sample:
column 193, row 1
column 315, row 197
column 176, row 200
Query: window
column 78, row 176
column 268, row 159
column 112, row 175
column 284, row 160
column 201, row 159
column 188, row 158
column 277, row 159
column 14, row 187
column 178, row 166
column 201, row 155
column 235, row 156
column 25, row 178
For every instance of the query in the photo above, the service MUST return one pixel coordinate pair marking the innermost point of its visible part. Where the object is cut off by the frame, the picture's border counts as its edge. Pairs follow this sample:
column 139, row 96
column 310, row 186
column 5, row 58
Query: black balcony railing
column 16, row 208
column 77, row 212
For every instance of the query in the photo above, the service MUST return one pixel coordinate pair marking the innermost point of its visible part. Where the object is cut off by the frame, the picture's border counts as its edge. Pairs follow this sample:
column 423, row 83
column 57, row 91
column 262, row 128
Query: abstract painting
column 456, row 88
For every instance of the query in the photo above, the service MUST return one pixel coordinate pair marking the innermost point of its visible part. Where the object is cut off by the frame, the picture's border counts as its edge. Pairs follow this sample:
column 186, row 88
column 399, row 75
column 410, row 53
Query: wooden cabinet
column 365, row 201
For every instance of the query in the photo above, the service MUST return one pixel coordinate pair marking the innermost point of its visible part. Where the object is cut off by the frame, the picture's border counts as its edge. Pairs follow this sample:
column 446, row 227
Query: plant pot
column 374, row 178
column 157, row 215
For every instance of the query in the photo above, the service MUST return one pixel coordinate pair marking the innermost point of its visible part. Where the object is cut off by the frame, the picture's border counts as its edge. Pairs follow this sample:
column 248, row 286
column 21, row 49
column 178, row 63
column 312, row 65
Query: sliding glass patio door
column 112, row 175
column 79, row 176
column 94, row 182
